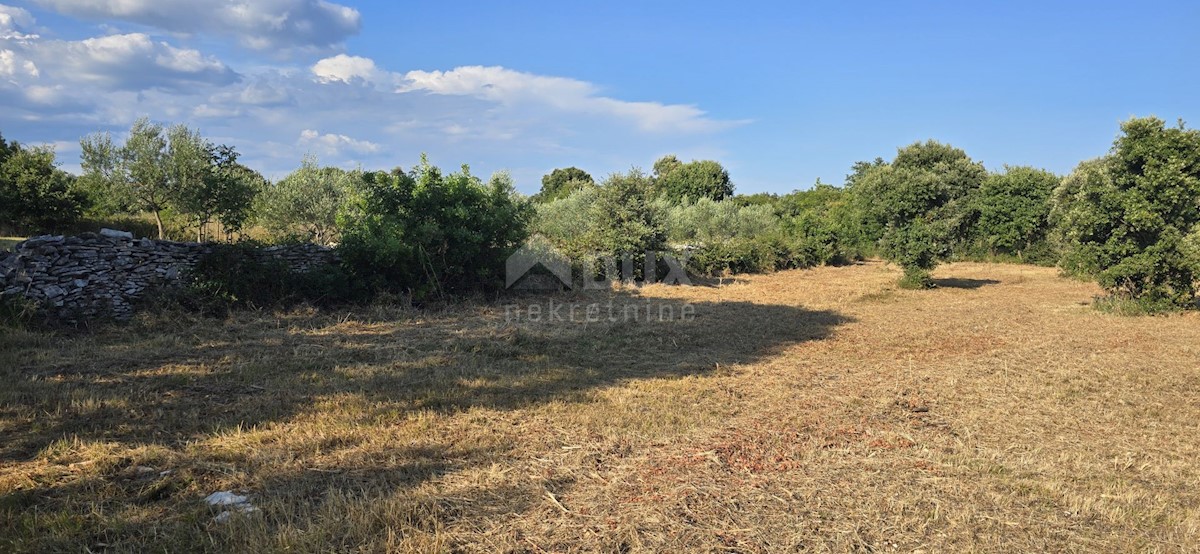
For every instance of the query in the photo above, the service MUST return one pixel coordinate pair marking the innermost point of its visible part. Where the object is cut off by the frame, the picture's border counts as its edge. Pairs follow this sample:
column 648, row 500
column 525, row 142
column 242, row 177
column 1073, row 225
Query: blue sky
column 781, row 93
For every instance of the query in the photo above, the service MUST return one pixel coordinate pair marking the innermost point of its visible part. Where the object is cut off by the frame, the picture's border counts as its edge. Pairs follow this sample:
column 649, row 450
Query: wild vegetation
column 1129, row 220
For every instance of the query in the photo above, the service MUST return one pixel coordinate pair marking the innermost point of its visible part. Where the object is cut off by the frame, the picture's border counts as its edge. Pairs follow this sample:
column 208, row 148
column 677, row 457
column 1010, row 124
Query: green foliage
column 563, row 182
column 161, row 171
column 626, row 221
column 824, row 223
column 132, row 177
column 1131, row 218
column 725, row 236
column 738, row 255
column 208, row 183
column 567, row 222
column 429, row 234
column 917, row 247
column 305, row 204
column 618, row 217
column 916, row 203
column 1010, row 215
column 706, row 221
column 693, row 180
column 756, row 199
column 35, row 196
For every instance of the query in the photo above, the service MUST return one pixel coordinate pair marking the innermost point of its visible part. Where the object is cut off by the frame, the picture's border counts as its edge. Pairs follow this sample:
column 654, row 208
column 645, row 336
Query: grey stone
column 115, row 234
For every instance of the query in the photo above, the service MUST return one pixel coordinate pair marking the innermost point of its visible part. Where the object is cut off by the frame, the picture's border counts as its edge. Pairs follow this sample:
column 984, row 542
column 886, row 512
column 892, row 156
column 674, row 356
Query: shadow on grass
column 958, row 283
column 178, row 383
column 173, row 386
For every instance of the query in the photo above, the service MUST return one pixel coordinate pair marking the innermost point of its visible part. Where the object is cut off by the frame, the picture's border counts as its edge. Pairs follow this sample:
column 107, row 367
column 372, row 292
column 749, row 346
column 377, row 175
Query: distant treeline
column 1129, row 219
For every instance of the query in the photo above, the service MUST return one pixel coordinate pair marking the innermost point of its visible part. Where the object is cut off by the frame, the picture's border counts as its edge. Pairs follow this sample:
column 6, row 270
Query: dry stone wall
column 102, row 275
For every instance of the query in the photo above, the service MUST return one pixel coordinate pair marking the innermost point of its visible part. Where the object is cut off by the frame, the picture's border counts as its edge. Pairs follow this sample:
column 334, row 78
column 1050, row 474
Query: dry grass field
column 818, row 410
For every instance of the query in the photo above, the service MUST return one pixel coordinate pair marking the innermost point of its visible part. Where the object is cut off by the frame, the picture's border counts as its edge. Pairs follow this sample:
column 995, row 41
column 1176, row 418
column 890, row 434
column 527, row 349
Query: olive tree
column 176, row 168
column 305, row 204
column 134, row 175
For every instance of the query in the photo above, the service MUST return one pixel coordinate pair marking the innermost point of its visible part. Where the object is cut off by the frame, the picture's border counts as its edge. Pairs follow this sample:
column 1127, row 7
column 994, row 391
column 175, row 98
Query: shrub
column 16, row 312
column 739, row 255
column 1009, row 216
column 35, row 196
column 822, row 226
column 567, row 222
column 429, row 234
column 1131, row 218
column 625, row 221
column 707, row 221
column 917, row 202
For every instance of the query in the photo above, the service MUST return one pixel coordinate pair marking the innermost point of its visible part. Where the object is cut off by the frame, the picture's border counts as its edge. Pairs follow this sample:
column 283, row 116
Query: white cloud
column 207, row 111
column 513, row 88
column 491, row 117
column 131, row 62
column 332, row 144
column 257, row 24
column 12, row 21
column 519, row 90
column 346, row 69
column 12, row 66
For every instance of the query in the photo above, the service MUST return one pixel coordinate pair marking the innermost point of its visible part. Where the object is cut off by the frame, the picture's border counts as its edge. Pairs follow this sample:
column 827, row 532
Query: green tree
column 208, row 182
column 562, row 182
column 35, row 195
column 567, row 222
column 916, row 203
column 427, row 233
column 626, row 221
column 1010, row 211
column 133, row 176
column 1131, row 218
column 190, row 161
column 823, row 225
column 305, row 204
column 6, row 148
column 159, row 168
column 695, row 179
column 237, row 188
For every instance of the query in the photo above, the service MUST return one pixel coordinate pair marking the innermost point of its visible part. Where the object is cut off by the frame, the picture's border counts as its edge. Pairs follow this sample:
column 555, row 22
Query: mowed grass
column 805, row 410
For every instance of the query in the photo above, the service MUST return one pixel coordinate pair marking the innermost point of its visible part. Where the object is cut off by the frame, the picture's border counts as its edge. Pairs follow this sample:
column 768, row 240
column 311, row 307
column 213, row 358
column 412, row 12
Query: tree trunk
column 158, row 222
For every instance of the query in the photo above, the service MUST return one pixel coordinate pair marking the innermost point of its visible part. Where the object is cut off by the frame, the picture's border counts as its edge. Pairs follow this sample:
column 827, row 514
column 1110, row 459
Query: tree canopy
column 561, row 182
column 915, row 203
column 676, row 180
column 1132, row 218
